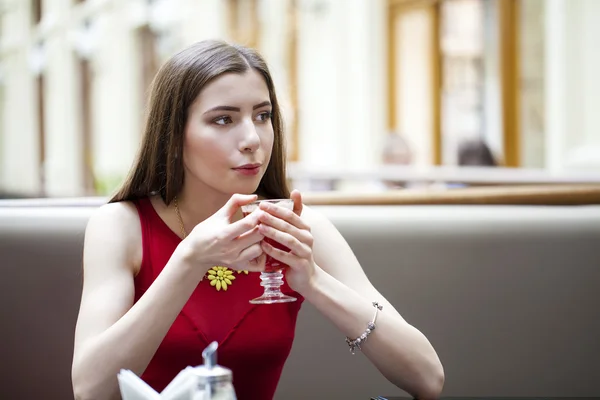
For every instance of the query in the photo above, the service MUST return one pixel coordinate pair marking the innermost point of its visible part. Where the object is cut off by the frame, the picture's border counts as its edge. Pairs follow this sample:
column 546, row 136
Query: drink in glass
column 272, row 277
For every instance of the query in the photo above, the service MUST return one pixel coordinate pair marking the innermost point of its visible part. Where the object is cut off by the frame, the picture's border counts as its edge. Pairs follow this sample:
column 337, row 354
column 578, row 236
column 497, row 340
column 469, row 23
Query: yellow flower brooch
column 221, row 277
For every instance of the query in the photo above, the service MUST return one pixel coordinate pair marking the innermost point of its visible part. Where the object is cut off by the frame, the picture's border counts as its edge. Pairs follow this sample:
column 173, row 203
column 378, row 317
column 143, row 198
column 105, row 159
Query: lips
column 248, row 169
column 248, row 166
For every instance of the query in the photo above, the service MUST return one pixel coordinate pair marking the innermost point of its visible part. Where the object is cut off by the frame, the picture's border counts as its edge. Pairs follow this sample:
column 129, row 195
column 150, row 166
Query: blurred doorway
column 453, row 73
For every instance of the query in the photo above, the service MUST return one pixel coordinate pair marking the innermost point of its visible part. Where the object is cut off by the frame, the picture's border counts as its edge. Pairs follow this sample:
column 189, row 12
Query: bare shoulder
column 326, row 235
column 116, row 211
column 114, row 231
column 312, row 216
column 114, row 219
column 317, row 220
column 332, row 252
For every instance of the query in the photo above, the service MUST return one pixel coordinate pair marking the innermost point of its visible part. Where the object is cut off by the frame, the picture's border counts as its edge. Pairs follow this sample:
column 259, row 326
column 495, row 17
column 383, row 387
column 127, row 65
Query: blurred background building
column 519, row 75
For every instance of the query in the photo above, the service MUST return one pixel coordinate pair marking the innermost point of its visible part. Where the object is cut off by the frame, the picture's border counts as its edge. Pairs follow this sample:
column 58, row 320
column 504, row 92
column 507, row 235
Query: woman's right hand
column 219, row 241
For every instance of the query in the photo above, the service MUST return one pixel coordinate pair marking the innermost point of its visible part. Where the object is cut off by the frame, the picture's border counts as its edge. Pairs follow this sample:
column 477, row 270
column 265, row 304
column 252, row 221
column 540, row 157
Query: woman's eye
column 264, row 116
column 224, row 120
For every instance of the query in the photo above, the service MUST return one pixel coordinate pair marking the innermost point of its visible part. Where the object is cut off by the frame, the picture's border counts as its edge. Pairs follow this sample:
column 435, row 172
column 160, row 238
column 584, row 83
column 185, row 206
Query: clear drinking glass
column 272, row 277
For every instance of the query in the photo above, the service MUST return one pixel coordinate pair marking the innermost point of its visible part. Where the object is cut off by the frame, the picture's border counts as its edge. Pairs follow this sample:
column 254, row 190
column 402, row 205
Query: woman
column 214, row 142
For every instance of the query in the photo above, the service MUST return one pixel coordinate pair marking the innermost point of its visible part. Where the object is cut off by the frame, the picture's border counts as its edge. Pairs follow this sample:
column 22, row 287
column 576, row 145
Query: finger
column 250, row 253
column 247, row 233
column 248, row 239
column 301, row 234
column 242, row 226
column 285, row 214
column 254, row 268
column 280, row 255
column 296, row 247
column 296, row 196
column 257, row 260
column 257, row 264
column 235, row 202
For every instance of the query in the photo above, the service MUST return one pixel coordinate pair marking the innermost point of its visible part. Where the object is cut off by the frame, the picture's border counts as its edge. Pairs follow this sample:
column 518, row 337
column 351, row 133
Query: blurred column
column 532, row 68
column 319, row 62
column 414, row 30
column 572, row 85
column 362, row 73
column 276, row 42
column 200, row 20
column 116, row 101
column 20, row 142
column 556, row 82
column 341, row 70
column 584, row 146
column 63, row 166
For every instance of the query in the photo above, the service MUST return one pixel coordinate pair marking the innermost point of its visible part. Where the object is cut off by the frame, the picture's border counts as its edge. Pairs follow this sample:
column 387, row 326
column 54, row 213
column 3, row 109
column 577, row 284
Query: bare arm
column 113, row 333
column 343, row 293
column 325, row 271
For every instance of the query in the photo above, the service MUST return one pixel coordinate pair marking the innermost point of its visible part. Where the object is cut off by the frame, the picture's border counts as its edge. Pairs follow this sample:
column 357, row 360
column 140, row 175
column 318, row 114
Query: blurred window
column 454, row 76
column 466, row 68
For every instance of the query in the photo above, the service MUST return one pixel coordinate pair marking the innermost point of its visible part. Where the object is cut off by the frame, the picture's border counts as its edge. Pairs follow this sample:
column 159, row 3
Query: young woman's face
column 229, row 135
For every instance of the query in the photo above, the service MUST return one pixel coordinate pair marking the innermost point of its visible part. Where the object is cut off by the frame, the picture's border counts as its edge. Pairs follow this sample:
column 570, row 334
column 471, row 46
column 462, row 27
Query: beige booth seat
column 508, row 295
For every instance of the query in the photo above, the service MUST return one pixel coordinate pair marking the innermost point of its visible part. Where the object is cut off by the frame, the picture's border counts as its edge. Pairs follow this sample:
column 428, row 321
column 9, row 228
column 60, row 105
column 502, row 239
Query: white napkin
column 181, row 388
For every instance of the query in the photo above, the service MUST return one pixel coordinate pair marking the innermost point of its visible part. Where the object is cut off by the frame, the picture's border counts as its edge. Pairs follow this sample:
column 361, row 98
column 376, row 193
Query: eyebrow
column 236, row 109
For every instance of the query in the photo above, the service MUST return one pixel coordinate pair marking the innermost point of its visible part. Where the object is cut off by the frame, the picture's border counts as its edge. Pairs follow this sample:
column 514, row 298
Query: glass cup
column 272, row 277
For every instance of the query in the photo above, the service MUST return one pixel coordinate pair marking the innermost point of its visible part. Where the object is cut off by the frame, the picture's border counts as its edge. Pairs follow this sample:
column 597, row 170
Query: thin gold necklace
column 179, row 217
column 219, row 277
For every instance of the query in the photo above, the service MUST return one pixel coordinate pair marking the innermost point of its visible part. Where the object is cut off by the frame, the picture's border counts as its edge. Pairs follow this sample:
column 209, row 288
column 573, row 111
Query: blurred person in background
column 395, row 152
column 475, row 153
column 214, row 142
column 472, row 153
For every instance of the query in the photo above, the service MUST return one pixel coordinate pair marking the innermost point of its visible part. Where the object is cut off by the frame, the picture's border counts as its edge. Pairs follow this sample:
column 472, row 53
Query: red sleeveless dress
column 254, row 340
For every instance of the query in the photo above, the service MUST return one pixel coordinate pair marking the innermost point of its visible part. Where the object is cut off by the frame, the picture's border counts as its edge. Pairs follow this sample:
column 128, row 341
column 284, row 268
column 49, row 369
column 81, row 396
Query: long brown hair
column 158, row 167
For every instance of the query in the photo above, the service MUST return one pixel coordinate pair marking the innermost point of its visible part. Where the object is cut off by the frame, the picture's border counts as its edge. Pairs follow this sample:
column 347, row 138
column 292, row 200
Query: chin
column 241, row 189
column 241, row 185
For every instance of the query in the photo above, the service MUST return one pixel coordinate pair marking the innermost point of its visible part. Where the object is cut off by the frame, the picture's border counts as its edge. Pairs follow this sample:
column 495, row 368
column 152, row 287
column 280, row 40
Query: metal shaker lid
column 210, row 371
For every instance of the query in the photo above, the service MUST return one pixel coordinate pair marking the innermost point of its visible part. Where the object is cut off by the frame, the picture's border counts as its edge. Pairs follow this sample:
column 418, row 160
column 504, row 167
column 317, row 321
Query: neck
column 198, row 202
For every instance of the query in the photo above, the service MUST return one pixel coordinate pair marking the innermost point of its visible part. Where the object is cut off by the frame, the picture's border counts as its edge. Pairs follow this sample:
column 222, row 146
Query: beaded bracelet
column 354, row 344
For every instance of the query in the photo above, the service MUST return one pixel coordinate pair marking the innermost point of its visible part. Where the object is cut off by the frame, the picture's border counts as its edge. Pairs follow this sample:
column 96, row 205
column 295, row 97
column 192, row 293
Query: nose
column 250, row 139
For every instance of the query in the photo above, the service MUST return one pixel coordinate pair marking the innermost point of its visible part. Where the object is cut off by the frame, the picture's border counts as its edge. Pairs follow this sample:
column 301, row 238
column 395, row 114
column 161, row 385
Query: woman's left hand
column 287, row 227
